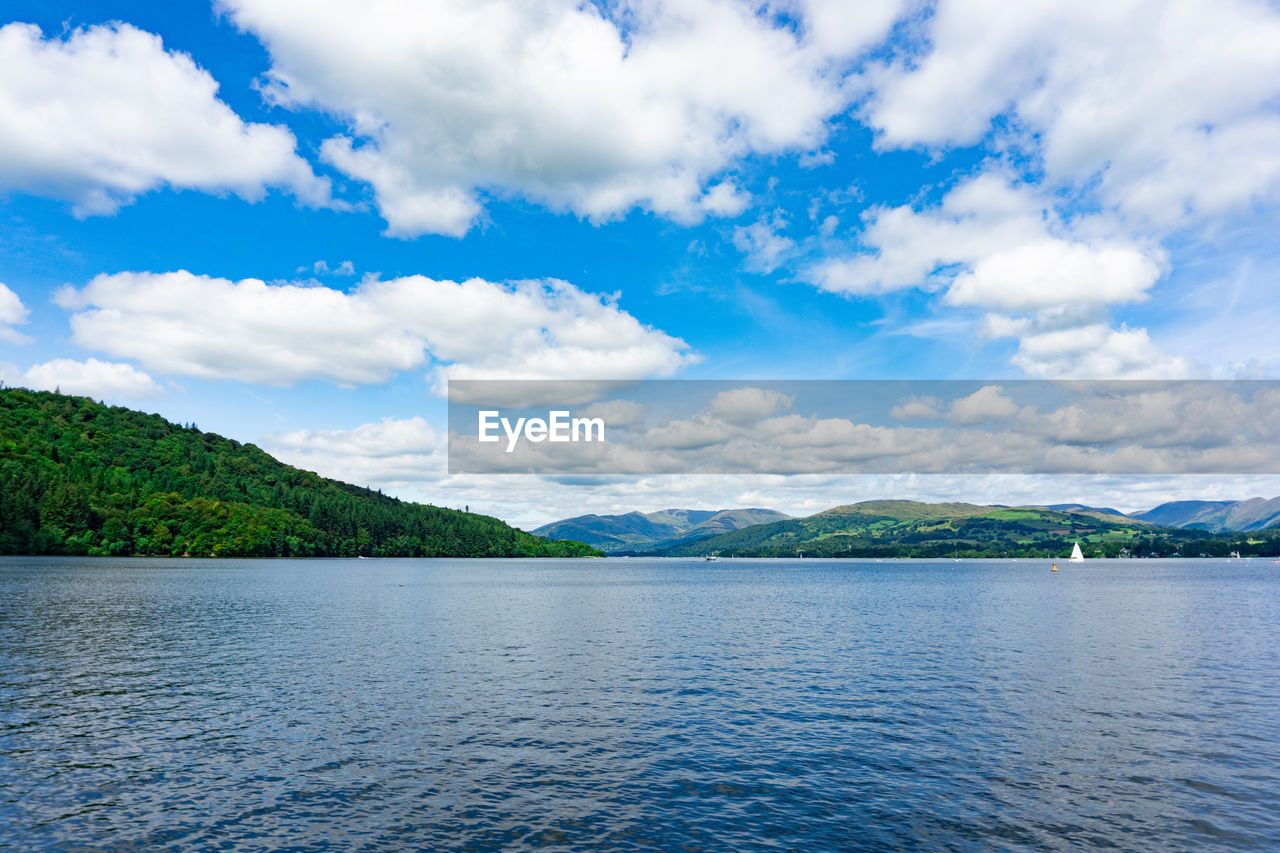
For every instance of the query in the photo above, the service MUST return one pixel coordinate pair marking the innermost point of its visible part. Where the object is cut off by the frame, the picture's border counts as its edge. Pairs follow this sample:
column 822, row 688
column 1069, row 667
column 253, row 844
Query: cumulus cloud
column 987, row 404
column 1050, row 272
column 999, row 246
column 281, row 334
column 617, row 414
column 322, row 268
column 763, row 243
column 1167, row 107
column 1194, row 414
column 391, row 453
column 593, row 108
column 993, row 244
column 106, row 114
column 12, row 313
column 1097, row 351
column 919, row 407
column 747, row 405
column 102, row 380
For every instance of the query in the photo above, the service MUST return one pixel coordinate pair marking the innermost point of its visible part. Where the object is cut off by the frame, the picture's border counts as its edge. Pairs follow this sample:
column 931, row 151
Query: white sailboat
column 1077, row 555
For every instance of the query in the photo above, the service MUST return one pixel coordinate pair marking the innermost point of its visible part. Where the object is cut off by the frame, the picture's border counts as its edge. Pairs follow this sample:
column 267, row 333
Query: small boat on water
column 711, row 558
column 1077, row 556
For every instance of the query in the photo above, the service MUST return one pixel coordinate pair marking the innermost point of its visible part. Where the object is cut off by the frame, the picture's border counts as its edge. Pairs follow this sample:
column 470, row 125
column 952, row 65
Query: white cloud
column 816, row 159
column 991, row 244
column 102, row 380
column 1052, row 272
column 747, row 405
column 764, row 243
column 281, row 334
column 1097, row 351
column 392, row 453
column 12, row 313
column 322, row 268
column 584, row 107
column 1169, row 107
column 987, row 404
column 617, row 414
column 1156, row 414
column 834, row 28
column 1000, row 326
column 917, row 408
column 106, row 114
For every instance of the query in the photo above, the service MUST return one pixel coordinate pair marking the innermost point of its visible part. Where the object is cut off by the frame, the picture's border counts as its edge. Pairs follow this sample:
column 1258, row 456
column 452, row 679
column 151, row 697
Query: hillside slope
column 78, row 477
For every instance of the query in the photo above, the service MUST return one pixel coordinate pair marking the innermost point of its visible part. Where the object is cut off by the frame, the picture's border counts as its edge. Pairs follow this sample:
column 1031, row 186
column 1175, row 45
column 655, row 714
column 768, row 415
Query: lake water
column 639, row 705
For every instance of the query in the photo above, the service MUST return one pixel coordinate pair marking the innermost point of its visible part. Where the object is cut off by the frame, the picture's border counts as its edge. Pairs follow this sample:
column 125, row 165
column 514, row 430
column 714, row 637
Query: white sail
column 1076, row 554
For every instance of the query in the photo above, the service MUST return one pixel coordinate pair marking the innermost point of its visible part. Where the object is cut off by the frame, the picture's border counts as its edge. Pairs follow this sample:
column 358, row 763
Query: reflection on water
column 637, row 704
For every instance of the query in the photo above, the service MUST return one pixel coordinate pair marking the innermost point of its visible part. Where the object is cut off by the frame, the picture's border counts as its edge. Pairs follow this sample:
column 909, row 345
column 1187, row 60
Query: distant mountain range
column 1213, row 516
column 671, row 530
column 913, row 529
column 910, row 528
column 1216, row 516
column 655, row 531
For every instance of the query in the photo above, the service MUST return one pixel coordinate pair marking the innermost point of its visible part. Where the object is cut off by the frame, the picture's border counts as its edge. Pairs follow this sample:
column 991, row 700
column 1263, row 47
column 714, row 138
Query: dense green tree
column 78, row 477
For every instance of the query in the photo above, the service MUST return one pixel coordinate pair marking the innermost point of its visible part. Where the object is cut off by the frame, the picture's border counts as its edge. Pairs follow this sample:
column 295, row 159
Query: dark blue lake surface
column 638, row 705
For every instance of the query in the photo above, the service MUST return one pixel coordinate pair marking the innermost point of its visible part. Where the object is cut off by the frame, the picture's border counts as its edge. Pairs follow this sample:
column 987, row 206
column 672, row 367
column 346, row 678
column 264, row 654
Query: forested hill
column 78, row 477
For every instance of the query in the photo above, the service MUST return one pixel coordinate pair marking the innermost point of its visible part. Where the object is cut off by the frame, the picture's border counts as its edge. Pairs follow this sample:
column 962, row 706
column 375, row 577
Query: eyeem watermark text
column 871, row 427
column 558, row 426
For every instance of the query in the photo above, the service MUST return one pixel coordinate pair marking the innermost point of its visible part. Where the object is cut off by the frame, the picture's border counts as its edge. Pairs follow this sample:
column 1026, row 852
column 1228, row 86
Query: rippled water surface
column 638, row 705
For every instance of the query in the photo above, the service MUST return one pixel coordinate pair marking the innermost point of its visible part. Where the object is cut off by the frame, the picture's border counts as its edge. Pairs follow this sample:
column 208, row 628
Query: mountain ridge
column 1216, row 516
column 638, row 531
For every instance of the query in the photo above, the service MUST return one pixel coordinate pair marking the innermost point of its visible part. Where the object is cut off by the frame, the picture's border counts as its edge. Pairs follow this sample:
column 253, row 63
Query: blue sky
column 291, row 224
